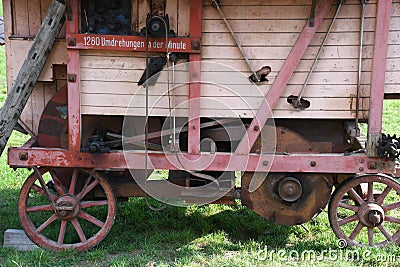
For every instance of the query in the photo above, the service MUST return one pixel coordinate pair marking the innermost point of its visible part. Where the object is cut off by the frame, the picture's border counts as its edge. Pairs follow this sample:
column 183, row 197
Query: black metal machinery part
column 389, row 147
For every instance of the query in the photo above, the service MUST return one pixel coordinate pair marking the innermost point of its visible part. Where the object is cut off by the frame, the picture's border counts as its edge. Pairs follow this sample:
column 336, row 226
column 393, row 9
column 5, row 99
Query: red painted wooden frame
column 74, row 88
column 241, row 160
column 379, row 66
column 314, row 163
column 196, row 14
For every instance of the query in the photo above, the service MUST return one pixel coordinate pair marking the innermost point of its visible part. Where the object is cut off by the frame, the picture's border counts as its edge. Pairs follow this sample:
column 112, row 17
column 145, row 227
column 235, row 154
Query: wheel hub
column 371, row 215
column 67, row 207
column 290, row 189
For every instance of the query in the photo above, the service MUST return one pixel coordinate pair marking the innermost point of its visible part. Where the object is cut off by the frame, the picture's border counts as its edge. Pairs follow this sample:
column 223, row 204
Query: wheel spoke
column 73, row 182
column 371, row 236
column 370, row 193
column 87, row 189
column 43, row 185
column 385, row 232
column 353, row 194
column 57, row 183
column 63, row 229
column 392, row 219
column 356, row 231
column 391, row 206
column 348, row 206
column 46, row 223
column 40, row 208
column 89, row 204
column 40, row 191
column 381, row 197
column 348, row 220
column 79, row 230
column 91, row 219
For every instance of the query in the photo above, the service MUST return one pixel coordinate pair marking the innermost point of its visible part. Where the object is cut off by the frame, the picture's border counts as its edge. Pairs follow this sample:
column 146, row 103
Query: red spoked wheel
column 59, row 218
column 370, row 218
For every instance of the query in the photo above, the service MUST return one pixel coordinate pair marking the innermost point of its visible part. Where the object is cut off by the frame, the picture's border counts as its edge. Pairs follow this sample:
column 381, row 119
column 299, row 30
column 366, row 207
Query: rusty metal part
column 311, row 19
column 370, row 219
column 157, row 7
column 267, row 200
column 288, row 199
column 290, row 189
column 67, row 205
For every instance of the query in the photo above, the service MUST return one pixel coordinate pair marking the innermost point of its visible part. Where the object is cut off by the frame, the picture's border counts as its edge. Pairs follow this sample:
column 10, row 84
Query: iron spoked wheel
column 366, row 219
column 59, row 218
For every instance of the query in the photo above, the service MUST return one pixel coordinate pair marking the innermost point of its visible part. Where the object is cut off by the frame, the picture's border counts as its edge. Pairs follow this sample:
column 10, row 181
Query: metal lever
column 297, row 103
column 215, row 3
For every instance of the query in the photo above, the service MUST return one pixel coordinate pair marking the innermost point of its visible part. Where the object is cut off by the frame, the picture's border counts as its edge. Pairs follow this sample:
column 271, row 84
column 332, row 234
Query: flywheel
column 287, row 198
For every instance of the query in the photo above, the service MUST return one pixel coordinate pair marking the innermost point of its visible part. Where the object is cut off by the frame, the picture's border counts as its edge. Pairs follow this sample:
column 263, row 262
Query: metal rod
column 236, row 40
column 319, row 53
column 363, row 2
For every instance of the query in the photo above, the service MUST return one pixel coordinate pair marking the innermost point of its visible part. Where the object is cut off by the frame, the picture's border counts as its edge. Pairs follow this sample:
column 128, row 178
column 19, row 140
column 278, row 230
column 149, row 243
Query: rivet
column 265, row 163
column 23, row 156
column 313, row 164
column 256, row 128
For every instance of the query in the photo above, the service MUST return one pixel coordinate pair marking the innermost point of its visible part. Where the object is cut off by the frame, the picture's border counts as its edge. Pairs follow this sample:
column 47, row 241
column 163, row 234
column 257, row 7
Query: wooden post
column 30, row 71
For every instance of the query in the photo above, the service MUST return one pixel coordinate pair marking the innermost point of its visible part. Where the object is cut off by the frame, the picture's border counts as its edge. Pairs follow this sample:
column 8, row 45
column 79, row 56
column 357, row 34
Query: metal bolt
column 265, row 163
column 372, row 165
column 361, row 160
column 313, row 164
column 71, row 78
column 256, row 128
column 361, row 169
column 71, row 41
column 23, row 156
column 196, row 45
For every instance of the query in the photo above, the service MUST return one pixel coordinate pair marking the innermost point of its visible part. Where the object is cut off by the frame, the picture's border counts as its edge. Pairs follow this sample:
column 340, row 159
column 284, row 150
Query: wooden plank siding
column 267, row 31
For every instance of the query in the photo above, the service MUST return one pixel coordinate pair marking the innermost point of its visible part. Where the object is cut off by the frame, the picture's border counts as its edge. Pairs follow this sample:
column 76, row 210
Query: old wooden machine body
column 209, row 113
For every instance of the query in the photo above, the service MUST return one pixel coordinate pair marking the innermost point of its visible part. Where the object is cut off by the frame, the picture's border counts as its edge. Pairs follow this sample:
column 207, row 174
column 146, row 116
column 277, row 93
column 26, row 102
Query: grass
column 213, row 235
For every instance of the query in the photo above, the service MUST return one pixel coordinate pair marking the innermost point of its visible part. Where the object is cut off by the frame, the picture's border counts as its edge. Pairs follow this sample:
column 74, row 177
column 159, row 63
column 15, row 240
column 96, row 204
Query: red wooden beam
column 308, row 163
column 73, row 78
column 379, row 66
column 286, row 72
column 196, row 13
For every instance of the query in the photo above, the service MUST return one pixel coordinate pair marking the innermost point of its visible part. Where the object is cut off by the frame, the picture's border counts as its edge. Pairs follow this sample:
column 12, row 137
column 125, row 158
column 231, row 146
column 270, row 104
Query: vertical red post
column 196, row 13
column 74, row 92
column 379, row 66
